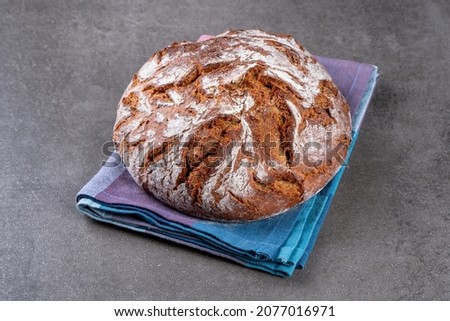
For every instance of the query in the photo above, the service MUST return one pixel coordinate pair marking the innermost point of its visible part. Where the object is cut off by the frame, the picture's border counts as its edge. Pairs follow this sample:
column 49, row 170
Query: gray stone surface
column 63, row 67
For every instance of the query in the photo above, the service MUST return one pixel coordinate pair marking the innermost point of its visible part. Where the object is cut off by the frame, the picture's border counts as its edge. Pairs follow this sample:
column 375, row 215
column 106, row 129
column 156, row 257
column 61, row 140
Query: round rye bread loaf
column 238, row 127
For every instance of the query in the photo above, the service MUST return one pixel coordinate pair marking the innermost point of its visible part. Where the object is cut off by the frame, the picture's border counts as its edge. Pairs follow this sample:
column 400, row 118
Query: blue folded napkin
column 276, row 245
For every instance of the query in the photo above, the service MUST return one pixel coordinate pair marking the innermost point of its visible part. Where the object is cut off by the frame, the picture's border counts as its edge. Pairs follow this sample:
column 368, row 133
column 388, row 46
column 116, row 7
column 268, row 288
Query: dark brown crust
column 170, row 103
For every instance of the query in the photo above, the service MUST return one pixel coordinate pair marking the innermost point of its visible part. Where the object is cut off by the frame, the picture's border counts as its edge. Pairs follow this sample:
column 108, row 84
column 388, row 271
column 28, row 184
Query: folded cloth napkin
column 276, row 245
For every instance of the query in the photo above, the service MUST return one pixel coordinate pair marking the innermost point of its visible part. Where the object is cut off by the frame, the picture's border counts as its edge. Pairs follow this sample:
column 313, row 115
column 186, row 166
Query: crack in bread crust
column 220, row 129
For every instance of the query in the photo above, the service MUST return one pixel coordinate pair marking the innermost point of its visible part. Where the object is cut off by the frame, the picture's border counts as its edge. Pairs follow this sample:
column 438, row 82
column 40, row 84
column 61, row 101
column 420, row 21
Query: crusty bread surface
column 239, row 127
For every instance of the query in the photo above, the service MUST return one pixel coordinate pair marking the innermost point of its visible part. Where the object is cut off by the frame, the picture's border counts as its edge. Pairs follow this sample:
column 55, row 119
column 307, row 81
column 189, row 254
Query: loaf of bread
column 239, row 127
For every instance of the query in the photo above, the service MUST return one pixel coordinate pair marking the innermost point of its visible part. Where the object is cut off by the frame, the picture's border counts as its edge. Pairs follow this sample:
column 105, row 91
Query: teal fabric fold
column 277, row 245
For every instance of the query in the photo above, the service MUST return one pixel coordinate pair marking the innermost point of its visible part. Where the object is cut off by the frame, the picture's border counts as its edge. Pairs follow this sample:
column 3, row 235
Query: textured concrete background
column 63, row 68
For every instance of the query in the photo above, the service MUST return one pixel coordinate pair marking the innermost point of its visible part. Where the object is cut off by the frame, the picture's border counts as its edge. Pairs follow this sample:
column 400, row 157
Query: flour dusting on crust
column 237, row 127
